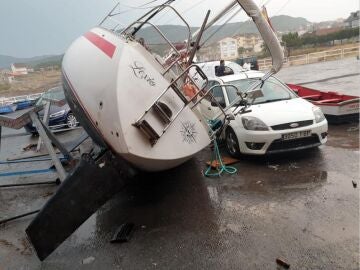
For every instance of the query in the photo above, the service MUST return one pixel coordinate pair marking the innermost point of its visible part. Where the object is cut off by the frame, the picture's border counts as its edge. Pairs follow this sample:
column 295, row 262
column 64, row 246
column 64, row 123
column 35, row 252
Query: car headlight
column 253, row 123
column 319, row 116
column 57, row 114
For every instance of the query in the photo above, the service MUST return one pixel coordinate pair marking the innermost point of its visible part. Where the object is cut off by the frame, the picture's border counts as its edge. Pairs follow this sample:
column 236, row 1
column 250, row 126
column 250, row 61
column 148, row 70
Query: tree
column 241, row 50
column 265, row 50
column 291, row 41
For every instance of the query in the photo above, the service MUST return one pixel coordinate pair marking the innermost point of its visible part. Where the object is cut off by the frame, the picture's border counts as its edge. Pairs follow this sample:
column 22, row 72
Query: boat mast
column 217, row 17
column 263, row 26
column 270, row 39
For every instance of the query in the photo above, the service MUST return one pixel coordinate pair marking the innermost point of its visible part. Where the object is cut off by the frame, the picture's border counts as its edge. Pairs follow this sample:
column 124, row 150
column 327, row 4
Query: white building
column 209, row 53
column 19, row 69
column 228, row 48
column 353, row 20
column 250, row 42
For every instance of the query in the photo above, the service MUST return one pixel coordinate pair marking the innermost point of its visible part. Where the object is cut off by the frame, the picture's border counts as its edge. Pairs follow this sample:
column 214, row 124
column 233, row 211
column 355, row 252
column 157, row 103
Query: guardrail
column 310, row 58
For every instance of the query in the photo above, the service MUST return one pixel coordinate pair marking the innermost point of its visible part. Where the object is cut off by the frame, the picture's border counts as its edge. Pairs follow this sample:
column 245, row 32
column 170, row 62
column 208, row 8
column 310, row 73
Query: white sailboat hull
column 114, row 81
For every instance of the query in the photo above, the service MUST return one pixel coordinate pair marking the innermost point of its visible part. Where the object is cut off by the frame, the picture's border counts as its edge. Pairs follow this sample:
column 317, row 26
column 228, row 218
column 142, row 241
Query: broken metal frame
column 46, row 121
column 18, row 216
column 18, row 120
column 48, row 138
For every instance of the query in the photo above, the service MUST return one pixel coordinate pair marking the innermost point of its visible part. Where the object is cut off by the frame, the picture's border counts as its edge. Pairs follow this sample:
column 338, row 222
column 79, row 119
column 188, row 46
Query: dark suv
column 59, row 116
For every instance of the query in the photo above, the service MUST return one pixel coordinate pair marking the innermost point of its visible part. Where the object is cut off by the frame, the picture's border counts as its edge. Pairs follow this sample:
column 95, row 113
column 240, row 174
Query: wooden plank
column 226, row 161
column 17, row 119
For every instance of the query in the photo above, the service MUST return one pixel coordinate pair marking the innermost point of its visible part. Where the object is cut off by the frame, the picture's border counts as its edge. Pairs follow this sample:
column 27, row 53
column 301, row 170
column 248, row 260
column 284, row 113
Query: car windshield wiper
column 273, row 100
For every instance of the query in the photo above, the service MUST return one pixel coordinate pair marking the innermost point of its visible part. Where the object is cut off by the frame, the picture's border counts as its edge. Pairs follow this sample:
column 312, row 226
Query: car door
column 208, row 106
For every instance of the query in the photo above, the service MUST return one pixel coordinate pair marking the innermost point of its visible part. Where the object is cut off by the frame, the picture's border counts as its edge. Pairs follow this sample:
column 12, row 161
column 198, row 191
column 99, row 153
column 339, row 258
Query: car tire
column 71, row 121
column 232, row 143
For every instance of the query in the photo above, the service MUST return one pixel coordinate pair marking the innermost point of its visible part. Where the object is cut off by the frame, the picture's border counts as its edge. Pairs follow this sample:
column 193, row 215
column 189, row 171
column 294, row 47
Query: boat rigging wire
column 143, row 6
column 182, row 12
column 283, row 6
column 221, row 26
column 131, row 8
column 159, row 9
column 250, row 20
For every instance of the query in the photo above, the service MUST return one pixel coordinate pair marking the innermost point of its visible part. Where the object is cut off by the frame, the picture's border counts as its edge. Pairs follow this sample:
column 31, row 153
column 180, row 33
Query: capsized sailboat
column 138, row 106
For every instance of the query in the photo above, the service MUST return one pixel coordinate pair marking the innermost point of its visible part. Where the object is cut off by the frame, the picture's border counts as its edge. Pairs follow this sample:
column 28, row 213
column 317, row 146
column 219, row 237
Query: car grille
column 293, row 144
column 287, row 125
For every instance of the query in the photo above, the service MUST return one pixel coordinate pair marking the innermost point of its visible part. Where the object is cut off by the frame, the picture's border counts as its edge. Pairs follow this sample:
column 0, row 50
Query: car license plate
column 296, row 135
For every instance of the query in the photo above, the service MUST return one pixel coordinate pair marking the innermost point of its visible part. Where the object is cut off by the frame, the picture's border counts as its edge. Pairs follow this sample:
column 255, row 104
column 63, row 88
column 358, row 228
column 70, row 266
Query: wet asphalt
column 301, row 207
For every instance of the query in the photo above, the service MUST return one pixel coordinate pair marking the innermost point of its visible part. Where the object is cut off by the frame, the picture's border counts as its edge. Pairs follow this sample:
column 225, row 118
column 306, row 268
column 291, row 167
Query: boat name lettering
column 140, row 72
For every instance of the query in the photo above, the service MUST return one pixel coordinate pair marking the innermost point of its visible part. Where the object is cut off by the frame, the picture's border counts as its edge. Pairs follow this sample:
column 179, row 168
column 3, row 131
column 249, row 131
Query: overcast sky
column 39, row 27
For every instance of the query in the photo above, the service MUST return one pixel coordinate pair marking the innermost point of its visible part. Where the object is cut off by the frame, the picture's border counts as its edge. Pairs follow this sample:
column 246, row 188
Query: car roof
column 214, row 63
column 240, row 76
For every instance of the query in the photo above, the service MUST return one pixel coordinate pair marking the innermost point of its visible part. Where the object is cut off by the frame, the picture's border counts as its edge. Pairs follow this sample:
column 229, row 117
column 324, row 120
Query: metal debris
column 275, row 167
column 282, row 263
column 29, row 147
column 88, row 260
column 354, row 184
column 293, row 166
column 123, row 233
column 350, row 129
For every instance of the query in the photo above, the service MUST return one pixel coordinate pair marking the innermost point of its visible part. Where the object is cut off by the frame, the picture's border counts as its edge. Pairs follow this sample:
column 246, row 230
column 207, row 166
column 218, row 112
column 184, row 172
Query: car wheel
column 71, row 121
column 232, row 144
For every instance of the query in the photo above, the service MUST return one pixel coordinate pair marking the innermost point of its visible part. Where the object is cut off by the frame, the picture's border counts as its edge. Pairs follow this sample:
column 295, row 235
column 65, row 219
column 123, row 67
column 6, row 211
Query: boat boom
column 266, row 32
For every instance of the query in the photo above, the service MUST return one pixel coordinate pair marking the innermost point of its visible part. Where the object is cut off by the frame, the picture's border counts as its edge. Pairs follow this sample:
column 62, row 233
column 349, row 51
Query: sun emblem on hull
column 188, row 132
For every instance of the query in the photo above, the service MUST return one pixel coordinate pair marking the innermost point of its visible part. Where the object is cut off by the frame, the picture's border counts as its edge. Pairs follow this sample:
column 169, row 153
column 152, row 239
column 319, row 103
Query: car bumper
column 58, row 120
column 270, row 142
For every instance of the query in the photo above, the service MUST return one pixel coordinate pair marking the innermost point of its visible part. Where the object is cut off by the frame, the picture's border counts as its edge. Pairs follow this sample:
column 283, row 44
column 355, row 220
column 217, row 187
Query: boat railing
column 172, row 56
column 159, row 107
column 167, row 65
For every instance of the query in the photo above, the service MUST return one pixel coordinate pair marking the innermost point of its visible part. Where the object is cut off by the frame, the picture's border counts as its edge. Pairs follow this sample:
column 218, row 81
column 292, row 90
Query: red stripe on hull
column 107, row 47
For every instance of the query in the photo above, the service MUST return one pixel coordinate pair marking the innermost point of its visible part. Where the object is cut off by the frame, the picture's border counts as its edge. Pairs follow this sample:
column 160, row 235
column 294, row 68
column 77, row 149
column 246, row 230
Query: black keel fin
column 84, row 191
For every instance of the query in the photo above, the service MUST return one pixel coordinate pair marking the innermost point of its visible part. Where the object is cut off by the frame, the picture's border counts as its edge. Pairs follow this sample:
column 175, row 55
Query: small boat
column 7, row 108
column 338, row 108
column 23, row 104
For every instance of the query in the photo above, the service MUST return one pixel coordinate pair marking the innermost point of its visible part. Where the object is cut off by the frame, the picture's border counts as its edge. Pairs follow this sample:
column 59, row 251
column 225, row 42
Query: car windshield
column 272, row 90
column 54, row 93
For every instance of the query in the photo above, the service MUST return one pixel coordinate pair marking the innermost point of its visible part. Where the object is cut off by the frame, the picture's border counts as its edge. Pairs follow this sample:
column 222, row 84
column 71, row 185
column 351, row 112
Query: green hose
column 222, row 168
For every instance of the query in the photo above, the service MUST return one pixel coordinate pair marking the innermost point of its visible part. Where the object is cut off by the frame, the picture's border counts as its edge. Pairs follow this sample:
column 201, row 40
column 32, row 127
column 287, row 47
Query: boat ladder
column 158, row 117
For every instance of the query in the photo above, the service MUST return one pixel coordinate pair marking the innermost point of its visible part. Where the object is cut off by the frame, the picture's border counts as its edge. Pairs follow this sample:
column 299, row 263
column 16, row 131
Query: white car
column 210, row 68
column 277, row 121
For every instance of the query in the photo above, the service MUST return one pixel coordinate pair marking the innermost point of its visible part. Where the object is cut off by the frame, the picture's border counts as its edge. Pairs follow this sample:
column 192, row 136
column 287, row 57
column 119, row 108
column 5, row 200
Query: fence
column 312, row 57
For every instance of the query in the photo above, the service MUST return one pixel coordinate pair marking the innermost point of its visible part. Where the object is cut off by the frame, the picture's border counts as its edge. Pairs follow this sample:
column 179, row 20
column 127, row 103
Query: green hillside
column 176, row 33
column 38, row 61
